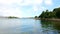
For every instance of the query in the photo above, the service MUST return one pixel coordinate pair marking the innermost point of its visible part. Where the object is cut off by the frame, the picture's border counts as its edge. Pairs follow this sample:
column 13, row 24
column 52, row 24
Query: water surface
column 28, row 26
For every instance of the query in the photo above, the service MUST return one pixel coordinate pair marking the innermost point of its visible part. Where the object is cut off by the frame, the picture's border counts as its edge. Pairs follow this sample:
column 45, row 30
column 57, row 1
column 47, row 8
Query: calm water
column 28, row 26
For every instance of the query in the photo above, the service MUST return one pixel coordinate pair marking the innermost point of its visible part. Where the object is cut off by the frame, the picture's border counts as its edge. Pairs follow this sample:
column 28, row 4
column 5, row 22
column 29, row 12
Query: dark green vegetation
column 50, row 14
column 51, row 24
column 12, row 17
column 36, row 17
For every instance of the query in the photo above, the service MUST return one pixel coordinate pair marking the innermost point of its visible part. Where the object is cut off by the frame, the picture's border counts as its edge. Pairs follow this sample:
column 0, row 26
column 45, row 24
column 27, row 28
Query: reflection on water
column 50, row 27
column 28, row 26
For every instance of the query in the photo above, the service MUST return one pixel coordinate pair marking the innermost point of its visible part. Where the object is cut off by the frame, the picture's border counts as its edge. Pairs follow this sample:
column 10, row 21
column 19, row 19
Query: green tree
column 36, row 17
column 51, row 14
column 57, row 11
column 42, row 15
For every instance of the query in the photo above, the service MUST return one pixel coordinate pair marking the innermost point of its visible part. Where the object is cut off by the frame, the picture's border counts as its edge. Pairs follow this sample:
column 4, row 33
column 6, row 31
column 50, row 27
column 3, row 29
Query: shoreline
column 52, row 19
column 49, row 19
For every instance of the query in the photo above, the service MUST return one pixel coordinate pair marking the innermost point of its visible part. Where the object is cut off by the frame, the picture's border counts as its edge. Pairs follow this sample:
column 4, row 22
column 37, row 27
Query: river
column 28, row 26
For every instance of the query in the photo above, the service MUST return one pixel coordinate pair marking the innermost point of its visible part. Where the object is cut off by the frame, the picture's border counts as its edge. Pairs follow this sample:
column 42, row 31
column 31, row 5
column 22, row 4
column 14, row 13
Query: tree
column 51, row 14
column 42, row 15
column 45, row 14
column 57, row 11
column 36, row 17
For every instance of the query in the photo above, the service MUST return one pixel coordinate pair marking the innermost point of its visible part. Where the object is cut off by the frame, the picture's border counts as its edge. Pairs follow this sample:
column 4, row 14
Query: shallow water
column 28, row 26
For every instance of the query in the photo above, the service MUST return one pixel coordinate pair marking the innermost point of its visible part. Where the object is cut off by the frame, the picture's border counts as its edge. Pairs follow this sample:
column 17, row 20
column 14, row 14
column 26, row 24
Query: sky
column 26, row 8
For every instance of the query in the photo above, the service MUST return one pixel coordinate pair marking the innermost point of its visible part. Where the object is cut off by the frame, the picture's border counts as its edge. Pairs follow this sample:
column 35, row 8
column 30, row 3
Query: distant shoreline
column 11, row 17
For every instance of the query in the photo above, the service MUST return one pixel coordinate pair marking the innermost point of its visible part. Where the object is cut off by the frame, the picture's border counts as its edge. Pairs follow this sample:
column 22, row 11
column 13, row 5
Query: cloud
column 48, row 2
column 21, row 2
column 10, row 11
column 26, row 2
column 14, row 7
column 30, row 2
column 35, row 8
column 10, row 1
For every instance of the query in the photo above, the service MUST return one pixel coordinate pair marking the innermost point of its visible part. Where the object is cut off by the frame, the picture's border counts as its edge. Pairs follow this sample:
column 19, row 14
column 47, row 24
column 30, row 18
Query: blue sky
column 26, row 8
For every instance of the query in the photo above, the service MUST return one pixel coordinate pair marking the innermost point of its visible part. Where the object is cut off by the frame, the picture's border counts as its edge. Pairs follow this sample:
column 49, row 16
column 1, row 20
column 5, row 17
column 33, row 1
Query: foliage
column 36, row 17
column 12, row 17
column 57, row 10
column 51, row 14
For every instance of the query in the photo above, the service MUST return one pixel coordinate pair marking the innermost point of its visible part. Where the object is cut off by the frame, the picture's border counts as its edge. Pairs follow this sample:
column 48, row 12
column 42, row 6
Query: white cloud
column 35, row 8
column 10, row 1
column 48, row 2
column 13, row 7
column 34, row 3
column 21, row 2
column 37, row 2
column 6, row 11
column 31, row 2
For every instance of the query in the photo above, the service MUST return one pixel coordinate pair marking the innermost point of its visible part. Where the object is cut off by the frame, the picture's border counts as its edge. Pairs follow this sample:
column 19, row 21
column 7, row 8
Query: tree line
column 55, row 13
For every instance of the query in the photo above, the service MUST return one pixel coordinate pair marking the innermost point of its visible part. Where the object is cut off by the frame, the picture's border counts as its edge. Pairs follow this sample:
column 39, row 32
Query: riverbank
column 50, row 19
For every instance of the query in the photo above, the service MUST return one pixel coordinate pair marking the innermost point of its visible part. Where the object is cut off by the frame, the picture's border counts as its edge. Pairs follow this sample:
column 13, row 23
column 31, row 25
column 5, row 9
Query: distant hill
column 12, row 17
column 8, row 17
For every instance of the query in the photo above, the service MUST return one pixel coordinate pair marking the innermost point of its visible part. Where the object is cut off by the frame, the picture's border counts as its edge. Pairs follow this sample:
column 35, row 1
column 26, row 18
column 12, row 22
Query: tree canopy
column 50, row 14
